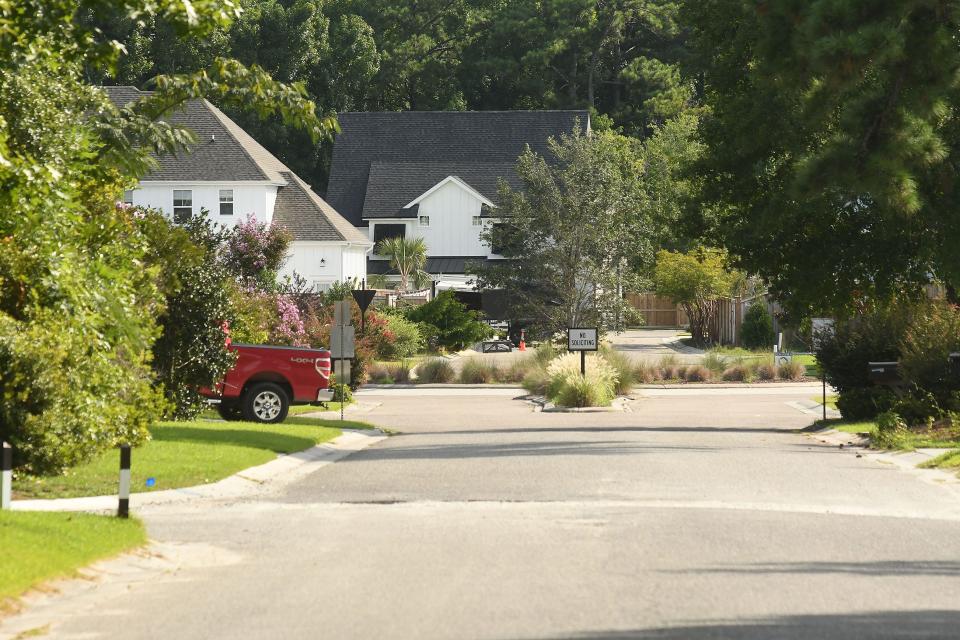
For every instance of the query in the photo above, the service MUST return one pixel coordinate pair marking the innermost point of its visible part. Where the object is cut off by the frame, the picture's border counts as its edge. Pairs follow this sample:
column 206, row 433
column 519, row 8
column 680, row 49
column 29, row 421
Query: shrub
column 680, row 373
column 254, row 252
column 757, row 329
column 890, row 427
column 736, row 373
column 567, row 387
column 402, row 339
column 435, row 370
column 934, row 333
column 192, row 349
column 697, row 373
column 667, row 362
column 766, row 372
column 844, row 355
column 380, row 374
column 342, row 393
column 478, row 371
column 791, row 371
column 865, row 402
column 624, row 368
column 449, row 322
column 918, row 408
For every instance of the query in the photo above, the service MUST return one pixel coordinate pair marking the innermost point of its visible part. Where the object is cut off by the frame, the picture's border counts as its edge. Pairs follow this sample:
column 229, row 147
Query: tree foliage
column 446, row 322
column 831, row 135
column 79, row 295
column 408, row 257
column 580, row 232
column 695, row 280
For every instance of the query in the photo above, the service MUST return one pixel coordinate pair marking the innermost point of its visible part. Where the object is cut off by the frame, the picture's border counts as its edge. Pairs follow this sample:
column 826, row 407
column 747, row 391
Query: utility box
column 883, row 372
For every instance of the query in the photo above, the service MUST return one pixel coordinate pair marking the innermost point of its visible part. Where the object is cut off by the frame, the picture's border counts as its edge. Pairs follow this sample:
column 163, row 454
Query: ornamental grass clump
column 698, row 373
column 567, row 387
column 791, row 371
column 436, row 371
column 479, row 371
column 736, row 373
column 766, row 372
column 517, row 370
column 626, row 372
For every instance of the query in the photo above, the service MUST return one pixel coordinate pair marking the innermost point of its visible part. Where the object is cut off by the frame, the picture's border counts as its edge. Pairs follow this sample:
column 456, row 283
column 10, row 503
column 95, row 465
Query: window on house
column 385, row 231
column 128, row 196
column 226, row 202
column 424, row 221
column 477, row 221
column 182, row 205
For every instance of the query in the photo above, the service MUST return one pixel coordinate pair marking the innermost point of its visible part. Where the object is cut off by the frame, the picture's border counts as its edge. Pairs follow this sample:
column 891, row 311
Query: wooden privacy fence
column 657, row 311
column 724, row 325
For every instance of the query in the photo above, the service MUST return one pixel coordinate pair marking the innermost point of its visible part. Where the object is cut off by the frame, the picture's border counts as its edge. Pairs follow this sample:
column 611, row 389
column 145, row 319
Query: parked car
column 267, row 380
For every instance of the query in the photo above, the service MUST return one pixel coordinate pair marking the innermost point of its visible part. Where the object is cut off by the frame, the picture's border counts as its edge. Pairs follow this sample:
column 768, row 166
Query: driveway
column 650, row 345
column 702, row 514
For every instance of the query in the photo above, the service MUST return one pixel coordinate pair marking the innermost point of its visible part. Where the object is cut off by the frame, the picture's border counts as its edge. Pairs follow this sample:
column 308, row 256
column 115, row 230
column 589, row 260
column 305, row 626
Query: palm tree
column 408, row 256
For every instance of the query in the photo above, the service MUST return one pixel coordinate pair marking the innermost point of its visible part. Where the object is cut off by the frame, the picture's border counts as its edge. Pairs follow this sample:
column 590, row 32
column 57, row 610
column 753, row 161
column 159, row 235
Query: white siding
column 247, row 199
column 451, row 232
column 340, row 262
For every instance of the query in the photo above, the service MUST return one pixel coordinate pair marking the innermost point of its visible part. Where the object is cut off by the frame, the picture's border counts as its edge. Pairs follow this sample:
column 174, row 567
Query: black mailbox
column 883, row 372
column 954, row 359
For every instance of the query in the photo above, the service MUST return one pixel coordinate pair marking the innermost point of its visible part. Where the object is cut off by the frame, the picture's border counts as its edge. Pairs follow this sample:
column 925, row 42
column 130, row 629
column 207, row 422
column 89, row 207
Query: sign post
column 364, row 297
column 821, row 328
column 342, row 348
column 582, row 339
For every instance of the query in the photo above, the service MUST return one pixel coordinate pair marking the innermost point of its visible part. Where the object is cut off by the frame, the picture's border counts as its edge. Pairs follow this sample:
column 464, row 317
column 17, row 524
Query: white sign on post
column 341, row 314
column 582, row 339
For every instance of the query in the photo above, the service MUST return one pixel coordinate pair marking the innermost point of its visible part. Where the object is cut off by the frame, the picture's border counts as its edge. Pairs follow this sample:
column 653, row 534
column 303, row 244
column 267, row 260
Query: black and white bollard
column 123, row 510
column 6, row 475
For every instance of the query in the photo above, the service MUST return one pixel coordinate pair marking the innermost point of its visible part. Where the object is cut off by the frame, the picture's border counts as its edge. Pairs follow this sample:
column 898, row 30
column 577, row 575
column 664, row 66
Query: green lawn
column 948, row 460
column 831, row 400
column 845, row 425
column 937, row 439
column 184, row 454
column 37, row 547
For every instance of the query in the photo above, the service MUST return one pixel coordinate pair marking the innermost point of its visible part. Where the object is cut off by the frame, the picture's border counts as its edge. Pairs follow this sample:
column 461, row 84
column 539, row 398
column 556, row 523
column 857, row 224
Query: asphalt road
column 695, row 515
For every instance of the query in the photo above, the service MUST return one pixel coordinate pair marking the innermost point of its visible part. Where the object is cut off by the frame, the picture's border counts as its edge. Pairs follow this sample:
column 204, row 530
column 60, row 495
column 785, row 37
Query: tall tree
column 569, row 235
column 832, row 137
column 408, row 257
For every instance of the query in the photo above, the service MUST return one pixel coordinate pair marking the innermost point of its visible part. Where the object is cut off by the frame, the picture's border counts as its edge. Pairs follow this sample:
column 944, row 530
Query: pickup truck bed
column 267, row 380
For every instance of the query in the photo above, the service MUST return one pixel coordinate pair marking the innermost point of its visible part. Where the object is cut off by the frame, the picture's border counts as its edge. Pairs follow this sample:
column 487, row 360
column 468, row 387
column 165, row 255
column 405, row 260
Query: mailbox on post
column 883, row 372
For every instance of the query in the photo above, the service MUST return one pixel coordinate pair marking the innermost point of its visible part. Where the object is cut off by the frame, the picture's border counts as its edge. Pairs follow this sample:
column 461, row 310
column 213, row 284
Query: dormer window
column 226, row 202
column 424, row 221
column 182, row 205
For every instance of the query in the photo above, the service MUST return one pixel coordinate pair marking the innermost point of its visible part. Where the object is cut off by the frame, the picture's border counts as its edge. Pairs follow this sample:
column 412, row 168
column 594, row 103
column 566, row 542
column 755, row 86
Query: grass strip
column 38, row 547
column 184, row 454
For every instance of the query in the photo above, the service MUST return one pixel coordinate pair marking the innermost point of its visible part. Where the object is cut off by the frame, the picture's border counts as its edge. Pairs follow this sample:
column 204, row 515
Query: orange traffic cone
column 523, row 343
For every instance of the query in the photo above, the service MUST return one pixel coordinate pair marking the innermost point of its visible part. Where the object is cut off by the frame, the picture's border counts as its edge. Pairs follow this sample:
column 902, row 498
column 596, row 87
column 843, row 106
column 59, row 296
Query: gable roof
column 225, row 152
column 382, row 161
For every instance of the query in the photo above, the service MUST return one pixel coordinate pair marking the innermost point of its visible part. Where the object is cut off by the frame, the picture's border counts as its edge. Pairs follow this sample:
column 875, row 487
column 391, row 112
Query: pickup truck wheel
column 229, row 411
column 265, row 402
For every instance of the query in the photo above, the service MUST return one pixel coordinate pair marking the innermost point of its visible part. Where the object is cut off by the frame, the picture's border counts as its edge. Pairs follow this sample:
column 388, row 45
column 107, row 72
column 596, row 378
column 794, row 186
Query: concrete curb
column 733, row 385
column 904, row 460
column 436, row 385
column 265, row 478
column 542, row 405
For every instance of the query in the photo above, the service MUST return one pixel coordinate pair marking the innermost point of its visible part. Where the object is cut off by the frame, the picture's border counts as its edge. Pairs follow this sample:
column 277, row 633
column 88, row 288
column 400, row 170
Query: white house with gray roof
column 434, row 175
column 229, row 174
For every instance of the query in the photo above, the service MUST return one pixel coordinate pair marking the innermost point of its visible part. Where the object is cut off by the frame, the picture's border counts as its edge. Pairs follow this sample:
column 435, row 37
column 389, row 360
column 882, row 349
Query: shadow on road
column 881, row 568
column 481, row 450
column 861, row 626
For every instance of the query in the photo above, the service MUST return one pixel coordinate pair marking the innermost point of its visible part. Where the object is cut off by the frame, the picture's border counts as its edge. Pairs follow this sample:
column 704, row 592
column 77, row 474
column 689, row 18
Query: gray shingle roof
column 225, row 152
column 374, row 151
column 297, row 207
column 391, row 183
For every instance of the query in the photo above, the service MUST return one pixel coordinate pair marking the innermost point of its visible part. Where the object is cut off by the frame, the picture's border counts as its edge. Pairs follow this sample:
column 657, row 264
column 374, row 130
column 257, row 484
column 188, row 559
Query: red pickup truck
column 266, row 380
